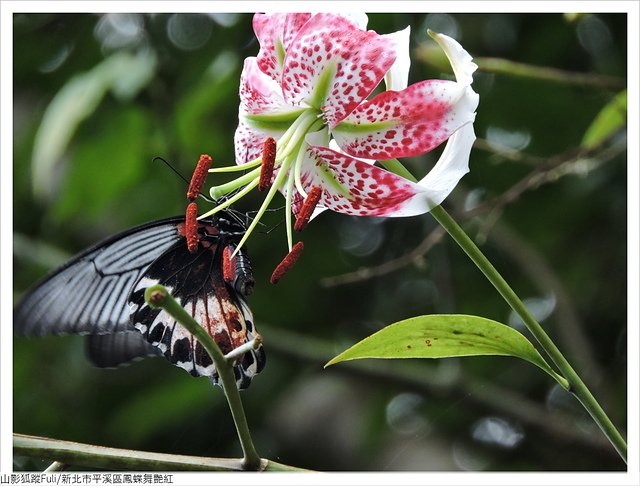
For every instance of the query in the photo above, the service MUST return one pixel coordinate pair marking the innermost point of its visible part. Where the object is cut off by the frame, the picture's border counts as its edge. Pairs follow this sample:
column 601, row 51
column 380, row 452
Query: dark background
column 561, row 244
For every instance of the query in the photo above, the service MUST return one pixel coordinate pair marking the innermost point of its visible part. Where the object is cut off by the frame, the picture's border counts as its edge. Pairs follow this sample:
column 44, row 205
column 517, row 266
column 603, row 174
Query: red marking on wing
column 287, row 262
column 198, row 177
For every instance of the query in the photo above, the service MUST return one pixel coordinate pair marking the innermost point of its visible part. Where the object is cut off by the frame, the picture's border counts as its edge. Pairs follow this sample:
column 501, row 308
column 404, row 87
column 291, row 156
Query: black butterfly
column 100, row 293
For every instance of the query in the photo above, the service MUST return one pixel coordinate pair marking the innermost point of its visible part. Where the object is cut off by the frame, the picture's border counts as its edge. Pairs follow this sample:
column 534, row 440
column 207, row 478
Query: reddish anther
column 198, row 177
column 268, row 161
column 228, row 265
column 309, row 204
column 191, row 227
column 287, row 262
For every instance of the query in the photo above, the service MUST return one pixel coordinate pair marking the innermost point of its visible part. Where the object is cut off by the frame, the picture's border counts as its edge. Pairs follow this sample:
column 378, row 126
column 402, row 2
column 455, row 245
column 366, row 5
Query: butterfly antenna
column 186, row 181
column 171, row 167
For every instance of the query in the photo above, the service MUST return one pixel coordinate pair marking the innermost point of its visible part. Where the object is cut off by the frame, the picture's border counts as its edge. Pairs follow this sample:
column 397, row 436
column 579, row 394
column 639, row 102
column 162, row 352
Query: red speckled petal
column 259, row 94
column 332, row 65
column 275, row 32
column 408, row 122
column 248, row 141
column 354, row 187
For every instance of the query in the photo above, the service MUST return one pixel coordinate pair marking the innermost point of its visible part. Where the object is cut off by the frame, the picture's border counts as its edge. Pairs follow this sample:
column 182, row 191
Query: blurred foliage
column 115, row 90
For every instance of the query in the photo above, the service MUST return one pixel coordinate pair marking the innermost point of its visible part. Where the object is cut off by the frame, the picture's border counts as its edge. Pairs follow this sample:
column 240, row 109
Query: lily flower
column 308, row 89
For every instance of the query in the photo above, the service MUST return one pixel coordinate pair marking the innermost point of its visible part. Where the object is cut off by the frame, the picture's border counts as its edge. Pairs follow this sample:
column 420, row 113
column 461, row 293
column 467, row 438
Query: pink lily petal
column 408, row 122
column 275, row 32
column 262, row 110
column 332, row 65
column 354, row 187
column 248, row 141
column 259, row 94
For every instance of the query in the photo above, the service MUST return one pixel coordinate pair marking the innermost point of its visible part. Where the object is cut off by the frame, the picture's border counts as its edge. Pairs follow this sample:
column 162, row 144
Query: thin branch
column 427, row 54
column 389, row 266
column 544, row 73
column 108, row 458
column 573, row 161
column 507, row 153
column 57, row 467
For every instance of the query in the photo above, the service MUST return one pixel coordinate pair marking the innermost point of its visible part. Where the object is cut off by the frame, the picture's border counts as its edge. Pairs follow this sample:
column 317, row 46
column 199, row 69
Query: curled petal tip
column 461, row 61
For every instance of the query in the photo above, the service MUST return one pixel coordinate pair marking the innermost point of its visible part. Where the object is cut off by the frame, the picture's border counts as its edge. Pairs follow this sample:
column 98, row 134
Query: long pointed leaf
column 444, row 336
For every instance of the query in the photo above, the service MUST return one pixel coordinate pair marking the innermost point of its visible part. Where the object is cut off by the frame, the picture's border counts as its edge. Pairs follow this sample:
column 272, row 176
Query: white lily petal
column 358, row 18
column 452, row 165
column 397, row 78
column 461, row 61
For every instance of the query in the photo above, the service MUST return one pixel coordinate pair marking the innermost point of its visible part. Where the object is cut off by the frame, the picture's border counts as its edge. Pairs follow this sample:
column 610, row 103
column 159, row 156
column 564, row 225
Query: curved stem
column 158, row 296
column 576, row 385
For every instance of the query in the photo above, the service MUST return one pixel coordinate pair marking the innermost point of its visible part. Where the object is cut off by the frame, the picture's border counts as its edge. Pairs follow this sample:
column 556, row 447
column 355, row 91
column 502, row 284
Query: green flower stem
column 576, row 385
column 157, row 296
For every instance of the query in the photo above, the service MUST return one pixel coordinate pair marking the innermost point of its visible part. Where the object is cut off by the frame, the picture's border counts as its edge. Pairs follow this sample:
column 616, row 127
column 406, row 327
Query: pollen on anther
column 287, row 262
column 228, row 265
column 268, row 161
column 310, row 203
column 191, row 227
column 198, row 177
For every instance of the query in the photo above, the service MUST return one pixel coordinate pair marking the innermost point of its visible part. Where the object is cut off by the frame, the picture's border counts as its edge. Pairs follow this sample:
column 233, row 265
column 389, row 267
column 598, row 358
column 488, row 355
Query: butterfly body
column 100, row 293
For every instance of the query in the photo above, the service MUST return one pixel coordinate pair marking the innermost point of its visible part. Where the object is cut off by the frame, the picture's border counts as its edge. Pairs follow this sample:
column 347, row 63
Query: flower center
column 279, row 168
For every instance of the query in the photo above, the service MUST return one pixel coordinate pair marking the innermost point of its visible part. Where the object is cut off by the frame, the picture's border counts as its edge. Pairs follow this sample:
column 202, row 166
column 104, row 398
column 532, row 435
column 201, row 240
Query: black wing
column 88, row 295
column 118, row 348
column 100, row 293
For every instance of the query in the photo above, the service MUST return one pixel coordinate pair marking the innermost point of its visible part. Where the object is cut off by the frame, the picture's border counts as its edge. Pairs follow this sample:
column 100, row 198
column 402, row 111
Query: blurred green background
column 97, row 96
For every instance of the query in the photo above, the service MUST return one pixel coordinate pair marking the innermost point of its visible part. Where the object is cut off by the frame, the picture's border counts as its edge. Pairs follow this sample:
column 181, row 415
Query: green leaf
column 445, row 336
column 610, row 119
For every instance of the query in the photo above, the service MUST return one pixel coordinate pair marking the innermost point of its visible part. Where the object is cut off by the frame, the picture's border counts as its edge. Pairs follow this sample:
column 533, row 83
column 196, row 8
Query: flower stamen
column 191, row 227
column 277, row 183
column 268, row 162
column 237, row 168
column 287, row 262
column 198, row 177
column 228, row 265
column 309, row 205
column 218, row 191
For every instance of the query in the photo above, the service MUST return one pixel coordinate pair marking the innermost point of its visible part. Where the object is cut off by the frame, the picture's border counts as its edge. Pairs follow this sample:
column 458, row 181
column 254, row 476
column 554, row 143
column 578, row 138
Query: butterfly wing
column 196, row 281
column 118, row 348
column 100, row 293
column 88, row 295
